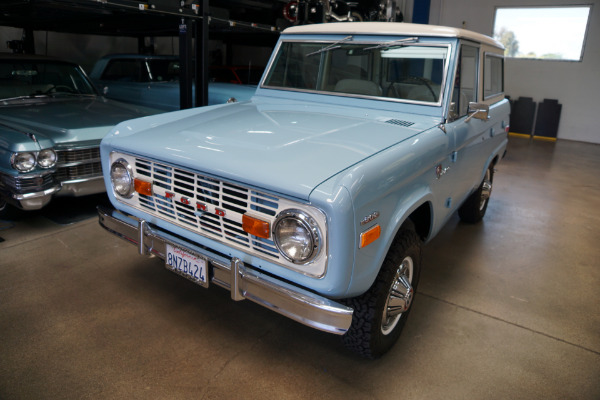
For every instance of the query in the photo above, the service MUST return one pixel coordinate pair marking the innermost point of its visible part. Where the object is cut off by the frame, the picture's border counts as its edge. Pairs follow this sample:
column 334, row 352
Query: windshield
column 27, row 78
column 404, row 72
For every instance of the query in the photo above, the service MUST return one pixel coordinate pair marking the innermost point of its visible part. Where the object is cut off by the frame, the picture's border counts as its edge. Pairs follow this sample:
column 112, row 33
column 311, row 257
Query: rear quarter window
column 493, row 75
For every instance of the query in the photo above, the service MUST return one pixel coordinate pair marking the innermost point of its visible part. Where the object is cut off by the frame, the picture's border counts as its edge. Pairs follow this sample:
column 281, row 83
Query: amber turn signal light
column 143, row 187
column 256, row 227
column 369, row 236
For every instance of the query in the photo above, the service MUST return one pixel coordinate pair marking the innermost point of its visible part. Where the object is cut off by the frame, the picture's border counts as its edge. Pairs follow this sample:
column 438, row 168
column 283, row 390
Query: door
column 469, row 133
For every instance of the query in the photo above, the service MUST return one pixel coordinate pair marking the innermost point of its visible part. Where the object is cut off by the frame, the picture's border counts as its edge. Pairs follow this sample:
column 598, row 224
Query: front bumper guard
column 243, row 282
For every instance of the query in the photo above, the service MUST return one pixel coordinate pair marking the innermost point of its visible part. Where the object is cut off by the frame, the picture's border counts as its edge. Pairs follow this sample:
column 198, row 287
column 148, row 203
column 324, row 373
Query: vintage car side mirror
column 479, row 111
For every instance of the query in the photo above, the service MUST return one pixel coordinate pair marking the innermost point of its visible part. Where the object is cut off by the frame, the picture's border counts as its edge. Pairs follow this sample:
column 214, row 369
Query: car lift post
column 202, row 57
column 185, row 63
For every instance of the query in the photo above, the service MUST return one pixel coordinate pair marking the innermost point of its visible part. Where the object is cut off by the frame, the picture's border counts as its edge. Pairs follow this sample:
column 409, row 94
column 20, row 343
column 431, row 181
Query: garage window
column 546, row 33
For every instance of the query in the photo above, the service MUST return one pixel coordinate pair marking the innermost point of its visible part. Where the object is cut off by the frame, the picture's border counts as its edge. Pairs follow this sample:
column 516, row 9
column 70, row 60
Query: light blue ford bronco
column 314, row 197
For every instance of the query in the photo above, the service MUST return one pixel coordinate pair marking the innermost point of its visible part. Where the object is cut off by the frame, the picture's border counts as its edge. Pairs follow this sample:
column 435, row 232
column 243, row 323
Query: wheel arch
column 418, row 217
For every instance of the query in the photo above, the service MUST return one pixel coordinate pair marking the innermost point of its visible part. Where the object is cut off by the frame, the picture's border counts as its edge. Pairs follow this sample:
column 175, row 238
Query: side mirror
column 478, row 110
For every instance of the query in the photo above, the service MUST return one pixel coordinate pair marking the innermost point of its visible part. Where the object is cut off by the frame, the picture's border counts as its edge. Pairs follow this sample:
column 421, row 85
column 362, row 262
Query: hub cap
column 486, row 190
column 399, row 297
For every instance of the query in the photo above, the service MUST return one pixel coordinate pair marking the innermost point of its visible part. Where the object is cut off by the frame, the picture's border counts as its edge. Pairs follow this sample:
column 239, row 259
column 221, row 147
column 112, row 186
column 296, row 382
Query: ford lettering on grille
column 206, row 205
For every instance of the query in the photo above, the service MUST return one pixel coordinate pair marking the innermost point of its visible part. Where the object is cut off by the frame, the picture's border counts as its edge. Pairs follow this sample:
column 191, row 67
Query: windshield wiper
column 34, row 96
column 31, row 96
column 394, row 43
column 332, row 46
column 58, row 94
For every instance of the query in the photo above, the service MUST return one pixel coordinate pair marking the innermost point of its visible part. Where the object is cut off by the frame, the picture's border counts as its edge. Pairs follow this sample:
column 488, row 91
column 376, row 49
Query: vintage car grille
column 72, row 156
column 233, row 200
column 25, row 184
column 78, row 172
column 78, row 164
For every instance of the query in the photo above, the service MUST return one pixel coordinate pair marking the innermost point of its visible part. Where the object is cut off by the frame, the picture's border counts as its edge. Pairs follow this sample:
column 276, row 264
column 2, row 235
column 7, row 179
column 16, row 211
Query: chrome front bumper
column 35, row 200
column 82, row 187
column 242, row 281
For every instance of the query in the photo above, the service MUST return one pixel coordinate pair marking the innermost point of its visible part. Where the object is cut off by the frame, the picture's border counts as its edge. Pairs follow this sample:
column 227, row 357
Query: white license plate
column 186, row 264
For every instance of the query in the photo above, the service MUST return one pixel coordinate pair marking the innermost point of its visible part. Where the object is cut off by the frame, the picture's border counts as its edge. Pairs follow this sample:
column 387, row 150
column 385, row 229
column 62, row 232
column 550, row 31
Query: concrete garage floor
column 508, row 308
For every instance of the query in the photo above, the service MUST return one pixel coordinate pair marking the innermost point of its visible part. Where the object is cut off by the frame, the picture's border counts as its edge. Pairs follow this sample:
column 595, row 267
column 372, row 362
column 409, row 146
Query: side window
column 465, row 86
column 123, row 70
column 493, row 75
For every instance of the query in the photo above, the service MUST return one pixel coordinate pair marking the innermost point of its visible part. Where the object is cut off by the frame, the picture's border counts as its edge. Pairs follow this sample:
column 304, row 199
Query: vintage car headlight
column 121, row 178
column 23, row 162
column 47, row 158
column 297, row 236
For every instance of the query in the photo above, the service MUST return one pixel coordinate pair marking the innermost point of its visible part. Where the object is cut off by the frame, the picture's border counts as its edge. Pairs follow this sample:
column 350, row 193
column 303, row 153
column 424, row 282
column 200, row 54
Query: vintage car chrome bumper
column 242, row 281
column 82, row 187
column 27, row 193
column 35, row 200
column 30, row 191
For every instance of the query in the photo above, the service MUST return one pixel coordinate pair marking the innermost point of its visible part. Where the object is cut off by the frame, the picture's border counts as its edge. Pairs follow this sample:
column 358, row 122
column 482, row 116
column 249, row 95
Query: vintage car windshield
column 41, row 79
column 142, row 70
column 405, row 72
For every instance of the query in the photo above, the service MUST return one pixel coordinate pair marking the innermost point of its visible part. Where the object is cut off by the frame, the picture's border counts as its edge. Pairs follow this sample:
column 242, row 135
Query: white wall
column 575, row 84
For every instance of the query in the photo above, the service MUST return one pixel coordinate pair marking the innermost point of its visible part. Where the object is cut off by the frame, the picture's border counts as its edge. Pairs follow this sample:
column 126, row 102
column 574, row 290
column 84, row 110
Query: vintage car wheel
column 473, row 209
column 381, row 312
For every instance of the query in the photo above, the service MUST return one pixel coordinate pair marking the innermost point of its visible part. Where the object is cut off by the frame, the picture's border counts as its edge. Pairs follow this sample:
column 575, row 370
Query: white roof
column 391, row 28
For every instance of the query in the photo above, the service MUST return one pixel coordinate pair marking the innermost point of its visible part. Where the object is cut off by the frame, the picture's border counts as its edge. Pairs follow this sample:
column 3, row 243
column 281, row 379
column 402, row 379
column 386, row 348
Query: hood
column 285, row 147
column 64, row 121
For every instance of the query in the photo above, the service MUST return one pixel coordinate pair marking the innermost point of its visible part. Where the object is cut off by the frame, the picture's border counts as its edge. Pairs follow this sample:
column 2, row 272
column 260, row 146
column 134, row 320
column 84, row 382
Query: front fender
column 391, row 185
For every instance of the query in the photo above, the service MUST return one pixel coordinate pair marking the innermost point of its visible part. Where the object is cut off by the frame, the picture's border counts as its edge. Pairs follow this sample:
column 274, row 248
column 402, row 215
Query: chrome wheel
column 475, row 206
column 381, row 312
column 399, row 296
column 486, row 190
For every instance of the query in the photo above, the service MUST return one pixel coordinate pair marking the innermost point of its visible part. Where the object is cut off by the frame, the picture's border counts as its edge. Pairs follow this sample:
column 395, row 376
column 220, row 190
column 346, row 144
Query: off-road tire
column 366, row 334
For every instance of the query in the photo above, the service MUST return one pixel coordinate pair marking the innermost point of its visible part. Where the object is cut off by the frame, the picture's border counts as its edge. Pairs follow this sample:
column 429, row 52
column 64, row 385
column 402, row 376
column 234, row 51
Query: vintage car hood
column 63, row 121
column 287, row 147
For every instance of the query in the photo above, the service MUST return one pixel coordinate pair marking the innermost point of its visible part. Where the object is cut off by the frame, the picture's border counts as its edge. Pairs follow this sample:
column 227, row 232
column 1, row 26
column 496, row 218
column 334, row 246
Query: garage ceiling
column 140, row 17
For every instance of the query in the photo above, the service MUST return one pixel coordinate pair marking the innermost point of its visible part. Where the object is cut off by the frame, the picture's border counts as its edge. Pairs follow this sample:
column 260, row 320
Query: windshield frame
column 377, row 43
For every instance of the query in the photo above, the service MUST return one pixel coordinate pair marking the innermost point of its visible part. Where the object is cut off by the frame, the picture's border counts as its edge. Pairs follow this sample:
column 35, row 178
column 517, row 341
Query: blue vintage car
column 153, row 81
column 51, row 124
column 314, row 198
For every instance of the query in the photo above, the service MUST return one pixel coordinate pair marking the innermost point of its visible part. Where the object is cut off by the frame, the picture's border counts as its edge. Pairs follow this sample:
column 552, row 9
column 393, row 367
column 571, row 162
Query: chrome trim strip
column 81, row 180
column 242, row 281
column 27, row 196
column 76, row 163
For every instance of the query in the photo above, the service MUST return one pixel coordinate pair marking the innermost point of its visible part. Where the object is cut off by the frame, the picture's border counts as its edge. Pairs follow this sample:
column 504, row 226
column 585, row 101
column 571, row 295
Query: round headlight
column 23, row 162
column 121, row 179
column 297, row 236
column 46, row 158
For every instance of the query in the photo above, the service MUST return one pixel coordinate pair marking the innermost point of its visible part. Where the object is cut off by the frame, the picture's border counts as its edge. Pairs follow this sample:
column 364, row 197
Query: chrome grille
column 78, row 155
column 78, row 163
column 79, row 171
column 206, row 205
column 23, row 184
